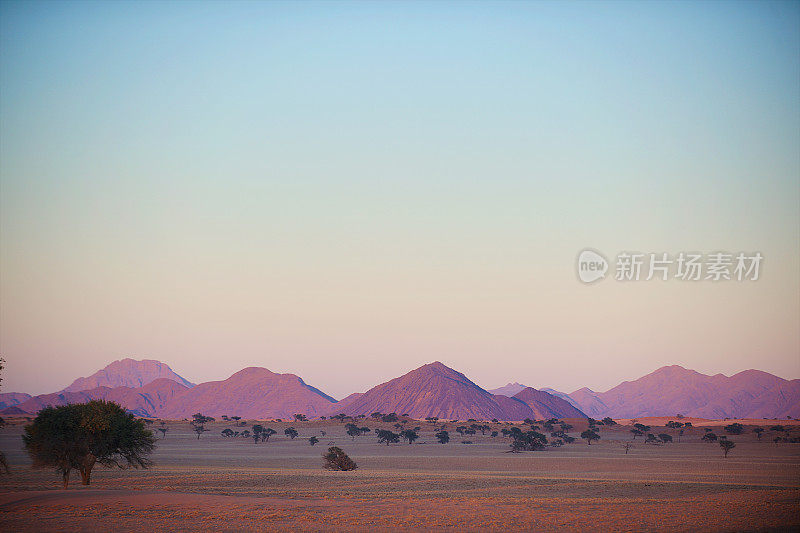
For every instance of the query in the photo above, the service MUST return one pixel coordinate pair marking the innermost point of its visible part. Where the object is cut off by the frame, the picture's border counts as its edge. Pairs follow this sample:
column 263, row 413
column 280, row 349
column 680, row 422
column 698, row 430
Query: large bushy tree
column 78, row 436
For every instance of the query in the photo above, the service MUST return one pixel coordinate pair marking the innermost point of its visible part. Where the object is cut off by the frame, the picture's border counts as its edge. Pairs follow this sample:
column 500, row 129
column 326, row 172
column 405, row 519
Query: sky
column 346, row 191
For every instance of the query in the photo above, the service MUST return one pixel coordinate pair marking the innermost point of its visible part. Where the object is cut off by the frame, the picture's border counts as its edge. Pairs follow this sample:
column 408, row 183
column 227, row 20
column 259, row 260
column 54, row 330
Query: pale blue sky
column 386, row 184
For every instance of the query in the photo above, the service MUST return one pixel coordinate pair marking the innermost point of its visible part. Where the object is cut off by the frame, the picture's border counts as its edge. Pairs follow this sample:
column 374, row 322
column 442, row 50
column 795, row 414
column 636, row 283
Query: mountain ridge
column 433, row 389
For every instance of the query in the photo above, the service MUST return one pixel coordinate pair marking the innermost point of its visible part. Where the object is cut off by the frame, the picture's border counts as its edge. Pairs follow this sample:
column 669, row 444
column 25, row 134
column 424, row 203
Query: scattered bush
column 735, row 428
column 384, row 435
column 409, row 435
column 336, row 459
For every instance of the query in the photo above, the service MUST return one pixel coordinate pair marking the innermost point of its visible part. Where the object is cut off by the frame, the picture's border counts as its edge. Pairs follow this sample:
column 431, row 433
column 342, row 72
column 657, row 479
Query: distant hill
column 546, row 406
column 512, row 389
column 141, row 401
column 562, row 395
column 508, row 390
column 439, row 391
column 250, row 393
column 673, row 389
column 9, row 399
column 589, row 402
column 127, row 373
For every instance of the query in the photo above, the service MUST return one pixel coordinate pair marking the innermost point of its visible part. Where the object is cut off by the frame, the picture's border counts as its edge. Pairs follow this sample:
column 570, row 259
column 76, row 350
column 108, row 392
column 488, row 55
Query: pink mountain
column 546, row 405
column 8, row 399
column 509, row 389
column 127, row 373
column 151, row 388
column 673, row 389
column 141, row 401
column 436, row 390
column 250, row 393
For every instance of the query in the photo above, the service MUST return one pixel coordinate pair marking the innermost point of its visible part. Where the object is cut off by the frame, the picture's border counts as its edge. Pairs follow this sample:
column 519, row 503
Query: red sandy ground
column 221, row 484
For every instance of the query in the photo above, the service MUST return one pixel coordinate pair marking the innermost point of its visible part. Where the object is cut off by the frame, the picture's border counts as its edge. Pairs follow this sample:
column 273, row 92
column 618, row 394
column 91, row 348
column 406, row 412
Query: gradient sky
column 346, row 191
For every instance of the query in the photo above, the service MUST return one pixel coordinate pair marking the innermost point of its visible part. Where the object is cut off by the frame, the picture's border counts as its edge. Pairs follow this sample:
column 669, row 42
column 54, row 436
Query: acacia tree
column 590, row 435
column 758, row 431
column 384, row 435
column 290, row 432
column 726, row 445
column 409, row 435
column 352, row 430
column 77, row 436
column 257, row 430
column 530, row 440
column 199, row 429
column 443, row 437
column 266, row 434
column 735, row 428
column 709, row 437
column 198, row 423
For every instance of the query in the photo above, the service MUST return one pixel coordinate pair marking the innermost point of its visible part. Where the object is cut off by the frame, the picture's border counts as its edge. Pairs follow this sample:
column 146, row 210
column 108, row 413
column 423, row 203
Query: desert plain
column 216, row 483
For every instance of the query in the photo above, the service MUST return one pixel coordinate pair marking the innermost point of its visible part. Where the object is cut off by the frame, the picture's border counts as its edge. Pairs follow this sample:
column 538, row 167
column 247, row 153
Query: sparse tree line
column 78, row 436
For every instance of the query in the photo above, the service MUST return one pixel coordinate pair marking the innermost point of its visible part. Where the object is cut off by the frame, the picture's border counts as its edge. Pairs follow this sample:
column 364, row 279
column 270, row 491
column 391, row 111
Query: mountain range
column 436, row 390
column 151, row 388
column 671, row 390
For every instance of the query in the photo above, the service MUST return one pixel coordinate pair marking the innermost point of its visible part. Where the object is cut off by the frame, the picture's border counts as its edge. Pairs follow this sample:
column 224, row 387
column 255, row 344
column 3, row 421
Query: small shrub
column 336, row 459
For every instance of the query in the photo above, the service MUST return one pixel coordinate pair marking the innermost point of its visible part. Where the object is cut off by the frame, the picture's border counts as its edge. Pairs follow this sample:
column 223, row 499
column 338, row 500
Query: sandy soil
column 232, row 484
